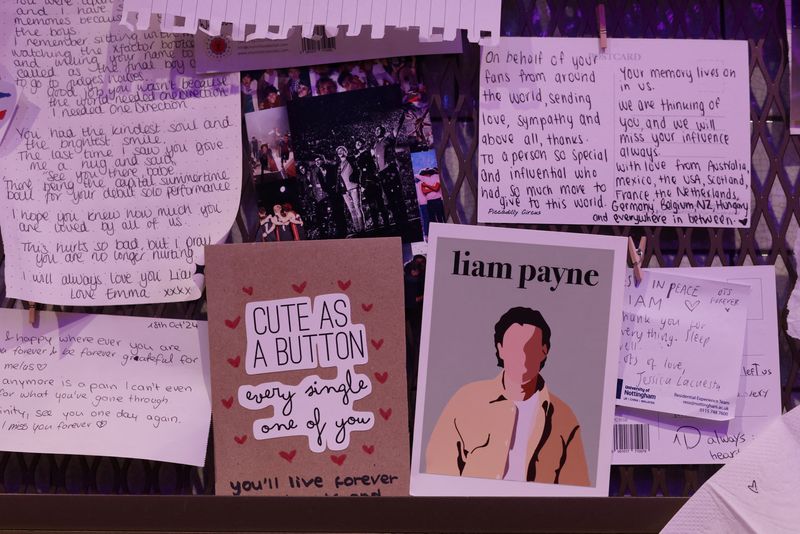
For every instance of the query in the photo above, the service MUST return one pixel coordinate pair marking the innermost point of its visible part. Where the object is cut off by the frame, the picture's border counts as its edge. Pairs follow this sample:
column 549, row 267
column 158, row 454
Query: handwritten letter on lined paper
column 651, row 132
column 120, row 164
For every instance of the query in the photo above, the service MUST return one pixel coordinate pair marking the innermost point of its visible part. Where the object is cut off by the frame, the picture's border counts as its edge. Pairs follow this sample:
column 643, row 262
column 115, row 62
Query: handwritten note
column 650, row 132
column 756, row 492
column 123, row 163
column 646, row 437
column 681, row 345
column 104, row 385
column 291, row 334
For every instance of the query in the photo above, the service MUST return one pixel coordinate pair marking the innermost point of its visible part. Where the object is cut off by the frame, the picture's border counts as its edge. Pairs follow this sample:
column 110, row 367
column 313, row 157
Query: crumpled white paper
column 755, row 493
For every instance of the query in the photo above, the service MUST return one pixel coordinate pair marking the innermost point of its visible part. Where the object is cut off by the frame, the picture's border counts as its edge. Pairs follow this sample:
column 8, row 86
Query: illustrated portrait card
column 518, row 361
column 307, row 348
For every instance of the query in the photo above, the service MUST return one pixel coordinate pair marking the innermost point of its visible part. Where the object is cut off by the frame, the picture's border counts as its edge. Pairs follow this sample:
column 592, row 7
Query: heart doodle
column 344, row 284
column 743, row 221
column 299, row 288
column 41, row 366
column 386, row 414
column 288, row 456
column 369, row 449
column 382, row 377
column 235, row 361
column 753, row 487
column 233, row 323
column 227, row 402
column 377, row 343
column 240, row 439
column 691, row 305
column 101, row 424
column 248, row 290
column 366, row 307
column 338, row 460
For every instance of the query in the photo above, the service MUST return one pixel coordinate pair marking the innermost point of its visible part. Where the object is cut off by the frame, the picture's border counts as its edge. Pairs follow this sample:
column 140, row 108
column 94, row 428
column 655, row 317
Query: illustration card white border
column 424, row 484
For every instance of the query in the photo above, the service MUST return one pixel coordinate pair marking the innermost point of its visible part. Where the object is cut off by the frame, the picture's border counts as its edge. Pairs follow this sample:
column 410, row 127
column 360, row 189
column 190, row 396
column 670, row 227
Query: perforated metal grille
column 452, row 82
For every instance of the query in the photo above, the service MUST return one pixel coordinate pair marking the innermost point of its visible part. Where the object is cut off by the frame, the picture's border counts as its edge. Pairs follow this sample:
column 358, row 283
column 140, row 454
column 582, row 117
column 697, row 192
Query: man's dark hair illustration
column 520, row 315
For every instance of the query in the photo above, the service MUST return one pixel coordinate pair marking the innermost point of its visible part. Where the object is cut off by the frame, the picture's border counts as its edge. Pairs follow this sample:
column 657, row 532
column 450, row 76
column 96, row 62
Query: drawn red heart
column 366, row 307
column 382, row 377
column 299, row 288
column 288, row 456
column 377, row 343
column 343, row 285
column 386, row 414
column 227, row 402
column 369, row 449
column 248, row 290
column 235, row 361
column 233, row 323
column 240, row 439
column 338, row 460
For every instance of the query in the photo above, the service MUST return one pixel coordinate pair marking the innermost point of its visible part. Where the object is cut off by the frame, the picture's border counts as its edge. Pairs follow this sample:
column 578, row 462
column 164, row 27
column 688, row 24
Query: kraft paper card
column 518, row 360
column 308, row 368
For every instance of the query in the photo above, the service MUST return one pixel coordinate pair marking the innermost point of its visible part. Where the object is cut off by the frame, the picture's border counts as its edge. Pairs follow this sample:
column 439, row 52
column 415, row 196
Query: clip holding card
column 32, row 313
column 636, row 254
column 600, row 10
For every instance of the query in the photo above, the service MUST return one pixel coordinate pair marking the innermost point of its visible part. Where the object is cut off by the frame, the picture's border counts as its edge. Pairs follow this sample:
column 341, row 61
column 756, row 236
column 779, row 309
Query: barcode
column 320, row 42
column 631, row 437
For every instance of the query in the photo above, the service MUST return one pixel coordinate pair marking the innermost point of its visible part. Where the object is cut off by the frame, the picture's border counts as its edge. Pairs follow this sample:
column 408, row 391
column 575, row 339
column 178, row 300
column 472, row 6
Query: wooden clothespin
column 32, row 312
column 636, row 254
column 601, row 25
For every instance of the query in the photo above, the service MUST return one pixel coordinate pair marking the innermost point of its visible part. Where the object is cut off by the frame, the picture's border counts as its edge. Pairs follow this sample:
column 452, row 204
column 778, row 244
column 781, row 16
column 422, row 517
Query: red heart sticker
column 240, row 439
column 227, row 402
column 248, row 290
column 366, row 307
column 343, row 285
column 382, row 377
column 369, row 449
column 377, row 343
column 338, row 460
column 299, row 288
column 232, row 323
column 288, row 456
column 235, row 361
column 386, row 414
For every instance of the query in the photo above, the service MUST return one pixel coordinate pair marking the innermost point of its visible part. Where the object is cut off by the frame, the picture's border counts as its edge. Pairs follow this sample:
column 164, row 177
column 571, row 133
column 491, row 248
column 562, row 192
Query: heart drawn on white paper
column 691, row 305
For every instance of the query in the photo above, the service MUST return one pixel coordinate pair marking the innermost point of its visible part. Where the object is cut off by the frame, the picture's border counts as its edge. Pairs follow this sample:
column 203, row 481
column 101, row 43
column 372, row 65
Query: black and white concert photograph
column 353, row 166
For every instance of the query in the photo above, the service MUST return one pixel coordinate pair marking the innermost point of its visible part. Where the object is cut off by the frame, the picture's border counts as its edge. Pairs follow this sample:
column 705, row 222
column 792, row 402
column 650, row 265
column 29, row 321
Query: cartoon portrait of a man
column 511, row 427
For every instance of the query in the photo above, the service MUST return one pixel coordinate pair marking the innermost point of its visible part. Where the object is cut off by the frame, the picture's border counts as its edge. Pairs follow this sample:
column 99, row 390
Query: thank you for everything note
column 649, row 132
column 682, row 345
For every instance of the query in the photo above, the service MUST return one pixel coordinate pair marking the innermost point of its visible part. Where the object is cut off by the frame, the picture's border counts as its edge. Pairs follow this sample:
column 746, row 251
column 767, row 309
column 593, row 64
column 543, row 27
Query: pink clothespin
column 636, row 254
column 32, row 312
column 601, row 25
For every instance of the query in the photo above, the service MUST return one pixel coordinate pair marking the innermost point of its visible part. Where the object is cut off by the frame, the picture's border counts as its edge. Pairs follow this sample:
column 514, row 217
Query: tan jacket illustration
column 473, row 435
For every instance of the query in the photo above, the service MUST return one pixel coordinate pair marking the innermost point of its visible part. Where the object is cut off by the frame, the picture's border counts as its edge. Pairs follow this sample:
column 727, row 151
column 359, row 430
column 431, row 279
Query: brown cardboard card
column 307, row 348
